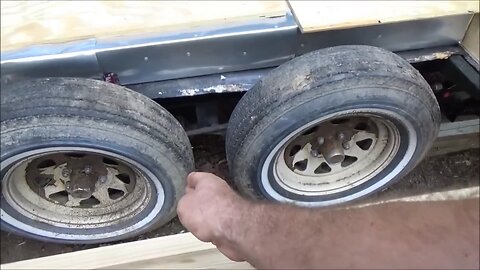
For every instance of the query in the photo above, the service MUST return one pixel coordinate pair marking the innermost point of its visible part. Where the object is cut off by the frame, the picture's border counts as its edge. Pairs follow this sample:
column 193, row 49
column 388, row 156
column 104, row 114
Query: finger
column 180, row 209
column 192, row 221
column 188, row 189
column 193, row 178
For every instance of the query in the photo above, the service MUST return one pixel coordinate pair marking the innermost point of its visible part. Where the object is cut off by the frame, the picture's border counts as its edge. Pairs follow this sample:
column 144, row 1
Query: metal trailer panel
column 262, row 43
column 241, row 81
column 259, row 44
column 400, row 36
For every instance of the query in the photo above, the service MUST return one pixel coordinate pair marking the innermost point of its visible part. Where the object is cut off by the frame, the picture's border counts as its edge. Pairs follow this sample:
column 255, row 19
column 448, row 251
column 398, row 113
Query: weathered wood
column 460, row 127
column 446, row 195
column 456, row 143
column 316, row 16
column 471, row 40
column 26, row 23
column 456, row 136
column 181, row 251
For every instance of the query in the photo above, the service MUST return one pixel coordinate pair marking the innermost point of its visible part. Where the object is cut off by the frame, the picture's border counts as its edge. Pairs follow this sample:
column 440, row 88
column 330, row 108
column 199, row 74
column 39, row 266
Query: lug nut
column 320, row 140
column 346, row 145
column 65, row 172
column 340, row 136
column 102, row 179
column 314, row 153
column 87, row 170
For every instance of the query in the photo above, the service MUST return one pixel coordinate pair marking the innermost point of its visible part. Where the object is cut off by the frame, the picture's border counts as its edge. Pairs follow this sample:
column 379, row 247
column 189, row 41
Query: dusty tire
column 333, row 83
column 76, row 118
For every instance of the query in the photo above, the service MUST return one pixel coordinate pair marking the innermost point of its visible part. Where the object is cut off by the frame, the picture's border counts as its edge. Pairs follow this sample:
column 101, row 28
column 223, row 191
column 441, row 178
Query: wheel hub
column 331, row 147
column 81, row 175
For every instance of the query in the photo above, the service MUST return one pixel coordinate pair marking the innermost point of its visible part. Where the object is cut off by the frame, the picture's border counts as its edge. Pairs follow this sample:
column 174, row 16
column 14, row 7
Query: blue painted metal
column 211, row 52
column 262, row 43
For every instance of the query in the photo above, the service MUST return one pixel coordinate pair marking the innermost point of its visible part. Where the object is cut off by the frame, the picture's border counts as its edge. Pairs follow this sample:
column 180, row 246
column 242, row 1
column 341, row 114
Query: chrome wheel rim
column 127, row 199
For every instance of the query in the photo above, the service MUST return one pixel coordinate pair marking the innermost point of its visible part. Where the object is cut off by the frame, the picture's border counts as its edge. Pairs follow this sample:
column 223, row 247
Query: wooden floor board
column 26, row 23
column 314, row 16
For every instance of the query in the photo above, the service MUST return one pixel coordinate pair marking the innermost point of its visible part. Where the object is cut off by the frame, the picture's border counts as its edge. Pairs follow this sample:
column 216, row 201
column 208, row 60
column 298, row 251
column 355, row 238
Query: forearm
column 390, row 235
column 276, row 236
column 395, row 235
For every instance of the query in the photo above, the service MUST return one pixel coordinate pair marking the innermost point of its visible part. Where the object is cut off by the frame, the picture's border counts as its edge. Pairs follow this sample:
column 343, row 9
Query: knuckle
column 202, row 235
column 181, row 206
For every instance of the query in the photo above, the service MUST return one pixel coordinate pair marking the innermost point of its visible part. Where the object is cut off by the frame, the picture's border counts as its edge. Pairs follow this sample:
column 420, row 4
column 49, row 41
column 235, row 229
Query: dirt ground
column 437, row 173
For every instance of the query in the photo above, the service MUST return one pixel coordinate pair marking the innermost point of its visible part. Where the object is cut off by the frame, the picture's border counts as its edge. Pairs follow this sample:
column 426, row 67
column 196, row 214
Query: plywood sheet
column 181, row 251
column 26, row 23
column 314, row 16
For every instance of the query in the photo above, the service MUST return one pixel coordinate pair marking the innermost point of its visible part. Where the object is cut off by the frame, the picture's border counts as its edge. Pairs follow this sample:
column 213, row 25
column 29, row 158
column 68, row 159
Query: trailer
column 323, row 103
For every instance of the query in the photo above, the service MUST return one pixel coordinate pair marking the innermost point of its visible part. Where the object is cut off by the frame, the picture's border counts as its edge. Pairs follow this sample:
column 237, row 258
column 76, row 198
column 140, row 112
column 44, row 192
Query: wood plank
column 205, row 259
column 460, row 127
column 456, row 143
column 26, row 23
column 314, row 16
column 471, row 40
column 445, row 195
column 184, row 251
column 180, row 251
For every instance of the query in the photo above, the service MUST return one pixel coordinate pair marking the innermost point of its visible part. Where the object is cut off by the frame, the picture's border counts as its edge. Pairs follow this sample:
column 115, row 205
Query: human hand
column 209, row 209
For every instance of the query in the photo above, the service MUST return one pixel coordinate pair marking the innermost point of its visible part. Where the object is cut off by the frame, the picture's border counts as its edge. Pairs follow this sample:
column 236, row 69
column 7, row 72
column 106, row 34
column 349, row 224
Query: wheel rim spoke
column 102, row 196
column 337, row 167
column 355, row 151
column 118, row 184
column 313, row 163
column 72, row 201
column 55, row 188
column 303, row 154
column 48, row 170
column 363, row 135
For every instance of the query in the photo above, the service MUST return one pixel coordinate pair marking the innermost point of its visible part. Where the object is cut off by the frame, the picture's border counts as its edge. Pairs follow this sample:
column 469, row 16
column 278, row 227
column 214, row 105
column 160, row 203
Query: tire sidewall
column 318, row 103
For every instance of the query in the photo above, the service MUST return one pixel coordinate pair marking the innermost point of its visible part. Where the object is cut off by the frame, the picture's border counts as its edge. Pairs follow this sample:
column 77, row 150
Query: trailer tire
column 134, row 153
column 290, row 135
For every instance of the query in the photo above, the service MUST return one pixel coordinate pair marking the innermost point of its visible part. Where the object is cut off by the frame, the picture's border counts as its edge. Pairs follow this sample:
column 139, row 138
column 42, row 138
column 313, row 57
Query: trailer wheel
column 331, row 126
column 85, row 161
